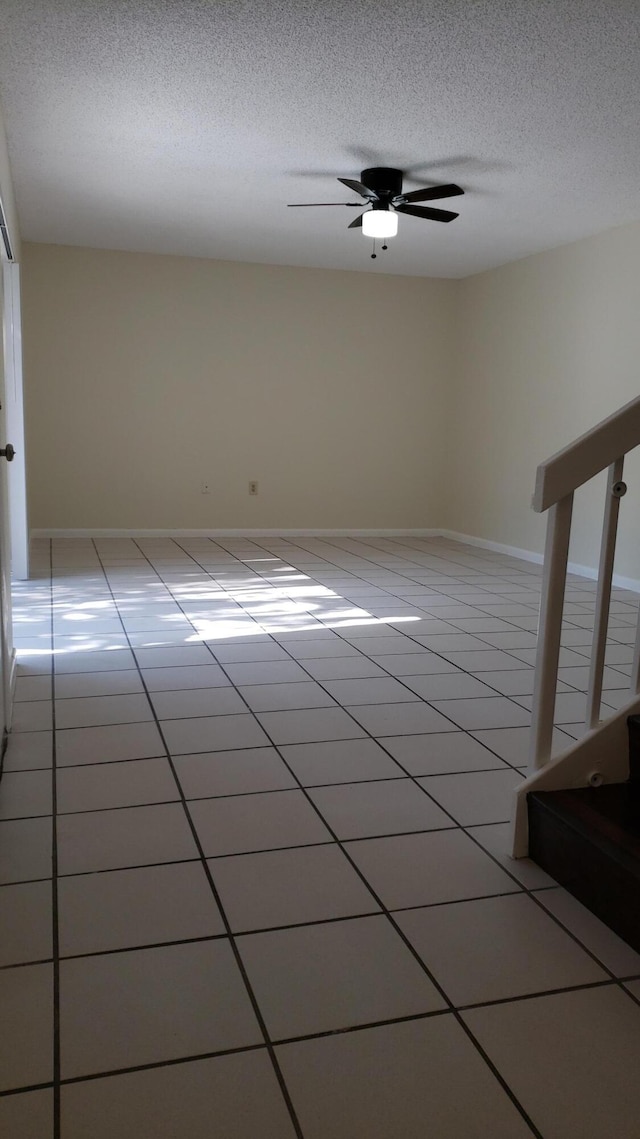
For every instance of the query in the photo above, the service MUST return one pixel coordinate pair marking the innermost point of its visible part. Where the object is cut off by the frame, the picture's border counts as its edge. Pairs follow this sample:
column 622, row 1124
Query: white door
column 7, row 654
column 14, row 424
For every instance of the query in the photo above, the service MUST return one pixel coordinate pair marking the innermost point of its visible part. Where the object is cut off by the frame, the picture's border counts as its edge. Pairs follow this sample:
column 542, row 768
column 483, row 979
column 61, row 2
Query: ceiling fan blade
column 296, row 205
column 433, row 193
column 359, row 188
column 356, row 223
column 427, row 212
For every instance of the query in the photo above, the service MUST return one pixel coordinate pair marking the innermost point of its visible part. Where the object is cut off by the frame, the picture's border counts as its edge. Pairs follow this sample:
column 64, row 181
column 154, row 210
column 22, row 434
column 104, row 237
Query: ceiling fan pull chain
column 374, row 254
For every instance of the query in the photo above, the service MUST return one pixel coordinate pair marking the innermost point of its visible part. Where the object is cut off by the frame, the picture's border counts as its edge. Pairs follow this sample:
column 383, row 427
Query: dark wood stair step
column 588, row 839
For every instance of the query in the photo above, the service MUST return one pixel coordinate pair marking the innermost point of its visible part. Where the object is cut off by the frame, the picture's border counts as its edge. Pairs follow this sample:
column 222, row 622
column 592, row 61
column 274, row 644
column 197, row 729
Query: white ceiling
column 185, row 126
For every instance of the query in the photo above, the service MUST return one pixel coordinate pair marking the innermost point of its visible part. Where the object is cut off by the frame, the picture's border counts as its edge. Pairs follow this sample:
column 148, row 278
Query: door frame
column 18, row 522
column 7, row 651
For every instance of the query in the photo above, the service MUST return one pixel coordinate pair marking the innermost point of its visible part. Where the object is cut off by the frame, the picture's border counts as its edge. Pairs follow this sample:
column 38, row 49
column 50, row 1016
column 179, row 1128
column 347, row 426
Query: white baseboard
column 589, row 572
column 242, row 533
column 497, row 547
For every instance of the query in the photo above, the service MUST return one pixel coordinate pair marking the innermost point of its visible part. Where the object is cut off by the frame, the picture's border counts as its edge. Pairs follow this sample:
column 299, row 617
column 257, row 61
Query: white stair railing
column 602, row 448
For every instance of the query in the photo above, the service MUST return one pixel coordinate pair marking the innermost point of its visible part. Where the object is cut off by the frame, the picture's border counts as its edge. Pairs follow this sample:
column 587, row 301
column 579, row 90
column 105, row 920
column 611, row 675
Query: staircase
column 588, row 839
column 599, row 756
column 578, row 814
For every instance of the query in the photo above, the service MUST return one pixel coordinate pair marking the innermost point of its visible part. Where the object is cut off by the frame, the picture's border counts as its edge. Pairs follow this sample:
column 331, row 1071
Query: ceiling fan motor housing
column 383, row 180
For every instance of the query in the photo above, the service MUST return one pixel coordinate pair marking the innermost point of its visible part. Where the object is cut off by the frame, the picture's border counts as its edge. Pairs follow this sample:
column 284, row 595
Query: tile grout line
column 346, row 709
column 485, row 681
column 54, row 893
column 111, row 764
column 368, row 735
column 325, row 1033
column 238, row 959
column 556, row 920
column 526, row 890
column 126, row 948
column 224, row 588
column 479, row 636
column 415, row 955
column 456, row 824
column 503, row 1083
column 520, row 887
column 464, row 671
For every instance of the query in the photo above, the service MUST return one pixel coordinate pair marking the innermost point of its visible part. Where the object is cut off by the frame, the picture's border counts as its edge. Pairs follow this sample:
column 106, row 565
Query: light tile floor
column 274, row 897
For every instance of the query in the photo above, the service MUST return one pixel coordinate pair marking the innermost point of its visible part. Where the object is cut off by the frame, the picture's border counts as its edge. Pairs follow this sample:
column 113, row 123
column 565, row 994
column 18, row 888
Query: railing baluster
column 615, row 490
column 556, row 554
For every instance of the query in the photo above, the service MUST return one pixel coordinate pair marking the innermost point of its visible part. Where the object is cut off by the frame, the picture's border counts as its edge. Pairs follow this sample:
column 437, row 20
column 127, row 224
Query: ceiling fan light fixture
column 380, row 223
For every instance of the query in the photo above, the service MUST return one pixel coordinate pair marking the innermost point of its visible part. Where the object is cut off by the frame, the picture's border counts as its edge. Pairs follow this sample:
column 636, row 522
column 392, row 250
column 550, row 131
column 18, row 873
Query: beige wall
column 546, row 347
column 357, row 401
column 146, row 375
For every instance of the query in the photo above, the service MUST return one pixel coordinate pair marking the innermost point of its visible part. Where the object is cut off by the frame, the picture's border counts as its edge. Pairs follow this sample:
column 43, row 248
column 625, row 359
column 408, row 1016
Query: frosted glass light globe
column 380, row 223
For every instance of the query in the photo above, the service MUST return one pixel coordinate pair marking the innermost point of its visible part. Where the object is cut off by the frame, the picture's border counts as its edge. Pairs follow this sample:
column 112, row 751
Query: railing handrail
column 587, row 456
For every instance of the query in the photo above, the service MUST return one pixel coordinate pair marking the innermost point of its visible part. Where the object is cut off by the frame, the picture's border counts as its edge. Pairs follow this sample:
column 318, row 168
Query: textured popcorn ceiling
column 185, row 126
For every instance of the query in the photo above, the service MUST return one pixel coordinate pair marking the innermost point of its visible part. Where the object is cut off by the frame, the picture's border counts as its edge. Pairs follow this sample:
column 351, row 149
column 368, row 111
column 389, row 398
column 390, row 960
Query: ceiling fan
column 381, row 188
